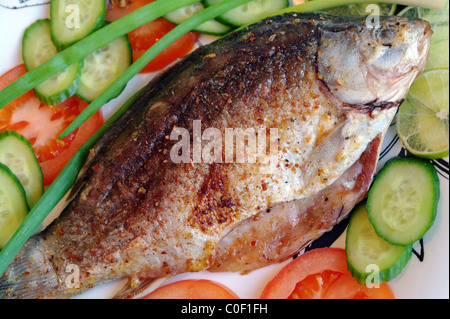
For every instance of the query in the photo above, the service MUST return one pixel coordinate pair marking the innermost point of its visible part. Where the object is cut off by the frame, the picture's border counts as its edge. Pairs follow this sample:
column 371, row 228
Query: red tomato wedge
column 192, row 289
column 321, row 274
column 145, row 36
column 42, row 124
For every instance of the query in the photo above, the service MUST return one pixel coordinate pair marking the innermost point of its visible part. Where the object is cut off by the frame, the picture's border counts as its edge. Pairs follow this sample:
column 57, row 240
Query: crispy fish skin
column 138, row 214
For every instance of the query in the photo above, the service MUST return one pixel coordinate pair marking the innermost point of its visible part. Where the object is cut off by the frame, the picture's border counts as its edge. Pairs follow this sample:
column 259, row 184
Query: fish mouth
column 424, row 43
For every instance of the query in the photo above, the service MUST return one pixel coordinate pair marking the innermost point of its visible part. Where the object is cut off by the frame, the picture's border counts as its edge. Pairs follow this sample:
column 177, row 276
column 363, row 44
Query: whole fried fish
column 314, row 93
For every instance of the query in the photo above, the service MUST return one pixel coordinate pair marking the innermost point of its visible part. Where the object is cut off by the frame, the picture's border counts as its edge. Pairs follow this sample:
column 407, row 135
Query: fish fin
column 325, row 152
column 130, row 291
column 30, row 275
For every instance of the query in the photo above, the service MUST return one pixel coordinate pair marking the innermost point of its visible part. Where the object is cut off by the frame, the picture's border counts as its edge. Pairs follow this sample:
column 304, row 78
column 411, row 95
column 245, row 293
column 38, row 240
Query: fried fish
column 314, row 93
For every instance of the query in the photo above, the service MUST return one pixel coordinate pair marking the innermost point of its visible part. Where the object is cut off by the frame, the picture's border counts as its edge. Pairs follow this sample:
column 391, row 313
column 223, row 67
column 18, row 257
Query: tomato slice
column 193, row 289
column 145, row 36
column 52, row 167
column 321, row 274
column 42, row 124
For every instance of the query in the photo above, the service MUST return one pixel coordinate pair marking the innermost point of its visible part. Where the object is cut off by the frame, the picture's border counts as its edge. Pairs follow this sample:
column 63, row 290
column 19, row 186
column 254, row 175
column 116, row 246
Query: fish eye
column 383, row 34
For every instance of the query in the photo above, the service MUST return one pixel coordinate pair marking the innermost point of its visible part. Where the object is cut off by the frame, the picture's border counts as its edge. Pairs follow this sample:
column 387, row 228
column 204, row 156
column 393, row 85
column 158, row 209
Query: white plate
column 425, row 277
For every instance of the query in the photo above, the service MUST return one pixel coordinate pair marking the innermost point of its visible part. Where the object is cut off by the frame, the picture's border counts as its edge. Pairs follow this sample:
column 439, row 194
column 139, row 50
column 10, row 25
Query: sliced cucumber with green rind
column 37, row 47
column 18, row 155
column 370, row 258
column 13, row 204
column 249, row 12
column 402, row 202
column 212, row 27
column 72, row 20
column 103, row 67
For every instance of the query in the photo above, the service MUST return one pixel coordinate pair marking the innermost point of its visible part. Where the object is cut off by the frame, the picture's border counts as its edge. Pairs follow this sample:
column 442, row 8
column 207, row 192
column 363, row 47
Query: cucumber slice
column 370, row 258
column 402, row 202
column 103, row 67
column 18, row 155
column 37, row 47
column 72, row 20
column 13, row 204
column 249, row 12
column 212, row 26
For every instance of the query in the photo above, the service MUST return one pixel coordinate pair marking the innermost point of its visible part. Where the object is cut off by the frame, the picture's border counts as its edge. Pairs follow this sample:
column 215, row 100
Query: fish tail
column 30, row 275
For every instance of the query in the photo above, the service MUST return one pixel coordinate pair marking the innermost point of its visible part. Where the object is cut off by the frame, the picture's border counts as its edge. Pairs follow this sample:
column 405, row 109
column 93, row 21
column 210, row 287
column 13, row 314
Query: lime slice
column 438, row 56
column 422, row 120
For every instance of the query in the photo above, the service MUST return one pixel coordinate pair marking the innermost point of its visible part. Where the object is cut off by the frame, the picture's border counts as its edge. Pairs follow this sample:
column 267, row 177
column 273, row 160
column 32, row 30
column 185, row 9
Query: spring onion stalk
column 56, row 191
column 86, row 46
column 188, row 25
column 318, row 5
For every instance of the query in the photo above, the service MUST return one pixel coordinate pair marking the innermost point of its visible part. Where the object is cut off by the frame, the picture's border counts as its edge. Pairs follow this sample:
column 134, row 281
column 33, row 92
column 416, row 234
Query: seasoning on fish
column 161, row 194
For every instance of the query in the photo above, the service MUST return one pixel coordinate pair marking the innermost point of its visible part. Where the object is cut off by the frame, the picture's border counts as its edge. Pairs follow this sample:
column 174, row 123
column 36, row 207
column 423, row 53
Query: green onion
column 56, row 191
column 318, row 5
column 86, row 46
column 197, row 19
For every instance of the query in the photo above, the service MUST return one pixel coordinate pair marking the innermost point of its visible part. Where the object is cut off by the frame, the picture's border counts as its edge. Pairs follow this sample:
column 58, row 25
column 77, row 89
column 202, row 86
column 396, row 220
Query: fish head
column 373, row 66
